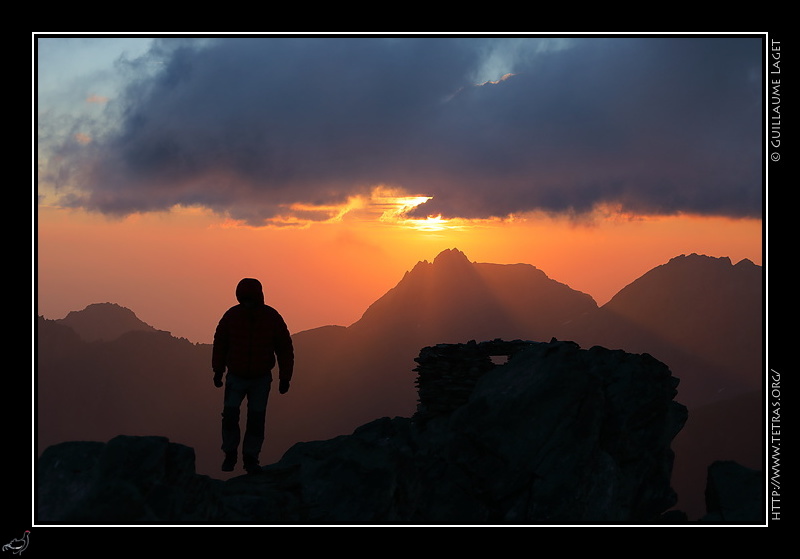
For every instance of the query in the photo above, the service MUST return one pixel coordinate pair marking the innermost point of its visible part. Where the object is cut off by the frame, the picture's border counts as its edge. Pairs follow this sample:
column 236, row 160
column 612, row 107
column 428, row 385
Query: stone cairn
column 447, row 373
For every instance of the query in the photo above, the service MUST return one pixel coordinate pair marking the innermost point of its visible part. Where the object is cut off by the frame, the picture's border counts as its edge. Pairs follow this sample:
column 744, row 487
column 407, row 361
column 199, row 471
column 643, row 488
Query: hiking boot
column 251, row 465
column 229, row 462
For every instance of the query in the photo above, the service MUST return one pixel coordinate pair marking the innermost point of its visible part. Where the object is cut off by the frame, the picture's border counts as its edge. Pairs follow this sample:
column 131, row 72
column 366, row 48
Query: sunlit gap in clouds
column 383, row 206
column 395, row 209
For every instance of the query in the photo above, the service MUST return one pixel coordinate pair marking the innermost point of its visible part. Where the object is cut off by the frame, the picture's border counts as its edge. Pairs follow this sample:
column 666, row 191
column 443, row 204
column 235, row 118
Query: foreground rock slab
column 555, row 435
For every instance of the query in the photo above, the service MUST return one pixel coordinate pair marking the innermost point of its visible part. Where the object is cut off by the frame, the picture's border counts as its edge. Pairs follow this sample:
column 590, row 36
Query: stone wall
column 447, row 373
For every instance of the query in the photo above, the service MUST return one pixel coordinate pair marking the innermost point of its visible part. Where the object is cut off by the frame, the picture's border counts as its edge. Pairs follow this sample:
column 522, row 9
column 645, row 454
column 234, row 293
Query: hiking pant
column 257, row 393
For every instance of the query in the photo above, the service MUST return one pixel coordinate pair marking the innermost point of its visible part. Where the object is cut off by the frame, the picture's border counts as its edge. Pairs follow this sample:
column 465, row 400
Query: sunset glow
column 430, row 224
column 158, row 190
column 396, row 208
column 161, row 265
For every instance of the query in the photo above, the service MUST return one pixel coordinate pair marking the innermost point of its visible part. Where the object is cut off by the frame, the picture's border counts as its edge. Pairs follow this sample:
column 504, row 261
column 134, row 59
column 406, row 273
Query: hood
column 249, row 291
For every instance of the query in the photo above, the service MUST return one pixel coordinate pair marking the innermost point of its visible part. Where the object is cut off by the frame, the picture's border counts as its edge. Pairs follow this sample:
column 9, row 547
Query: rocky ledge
column 555, row 435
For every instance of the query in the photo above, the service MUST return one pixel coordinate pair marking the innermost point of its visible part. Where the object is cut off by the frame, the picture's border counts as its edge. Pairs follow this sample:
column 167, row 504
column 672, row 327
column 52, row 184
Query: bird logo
column 18, row 545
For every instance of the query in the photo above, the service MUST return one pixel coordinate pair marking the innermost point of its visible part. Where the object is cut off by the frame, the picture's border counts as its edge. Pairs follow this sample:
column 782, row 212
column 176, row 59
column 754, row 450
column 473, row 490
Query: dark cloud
column 247, row 126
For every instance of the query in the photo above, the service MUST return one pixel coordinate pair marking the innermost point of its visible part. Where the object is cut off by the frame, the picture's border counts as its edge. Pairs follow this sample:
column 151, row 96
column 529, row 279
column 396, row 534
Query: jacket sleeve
column 284, row 351
column 219, row 353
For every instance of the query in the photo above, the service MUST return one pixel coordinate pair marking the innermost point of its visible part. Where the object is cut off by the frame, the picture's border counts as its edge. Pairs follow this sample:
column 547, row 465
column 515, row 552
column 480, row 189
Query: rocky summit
column 504, row 433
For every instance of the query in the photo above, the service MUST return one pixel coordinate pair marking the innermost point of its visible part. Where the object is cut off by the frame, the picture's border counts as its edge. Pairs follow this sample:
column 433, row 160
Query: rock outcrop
column 557, row 434
column 734, row 494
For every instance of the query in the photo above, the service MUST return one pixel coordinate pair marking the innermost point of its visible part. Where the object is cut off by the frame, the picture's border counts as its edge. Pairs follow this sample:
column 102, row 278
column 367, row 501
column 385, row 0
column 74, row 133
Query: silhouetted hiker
column 247, row 340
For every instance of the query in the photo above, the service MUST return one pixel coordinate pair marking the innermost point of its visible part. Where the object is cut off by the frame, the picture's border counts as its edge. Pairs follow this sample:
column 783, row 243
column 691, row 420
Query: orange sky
column 177, row 271
column 295, row 139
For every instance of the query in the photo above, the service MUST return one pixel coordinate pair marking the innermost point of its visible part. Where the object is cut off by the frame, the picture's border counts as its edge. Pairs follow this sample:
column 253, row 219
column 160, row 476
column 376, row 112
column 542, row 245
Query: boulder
column 734, row 494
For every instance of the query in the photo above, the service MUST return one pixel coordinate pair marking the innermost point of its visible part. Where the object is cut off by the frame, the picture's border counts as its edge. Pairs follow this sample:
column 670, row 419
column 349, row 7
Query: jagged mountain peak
column 445, row 259
column 695, row 258
column 684, row 276
column 696, row 262
column 449, row 255
column 455, row 297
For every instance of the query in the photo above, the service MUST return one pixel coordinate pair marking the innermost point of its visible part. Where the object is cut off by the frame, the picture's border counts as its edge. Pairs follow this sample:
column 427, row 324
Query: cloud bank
column 253, row 126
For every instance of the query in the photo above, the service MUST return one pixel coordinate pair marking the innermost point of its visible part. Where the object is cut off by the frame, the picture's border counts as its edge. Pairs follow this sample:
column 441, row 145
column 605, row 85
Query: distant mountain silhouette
column 142, row 382
column 104, row 321
column 454, row 300
column 699, row 315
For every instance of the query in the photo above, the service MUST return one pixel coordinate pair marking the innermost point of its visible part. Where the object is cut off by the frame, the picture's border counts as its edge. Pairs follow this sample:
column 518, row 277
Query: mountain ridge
column 104, row 321
column 121, row 323
column 471, row 300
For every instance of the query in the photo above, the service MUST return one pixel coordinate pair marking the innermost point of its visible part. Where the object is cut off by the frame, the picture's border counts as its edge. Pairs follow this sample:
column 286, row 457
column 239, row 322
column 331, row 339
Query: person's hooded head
column 250, row 292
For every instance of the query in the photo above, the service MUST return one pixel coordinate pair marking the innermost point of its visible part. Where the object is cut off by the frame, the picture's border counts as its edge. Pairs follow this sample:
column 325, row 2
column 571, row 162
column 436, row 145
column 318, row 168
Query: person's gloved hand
column 284, row 387
column 218, row 380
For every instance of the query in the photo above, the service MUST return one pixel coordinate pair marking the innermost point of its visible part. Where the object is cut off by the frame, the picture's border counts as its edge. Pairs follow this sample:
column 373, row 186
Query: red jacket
column 251, row 335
